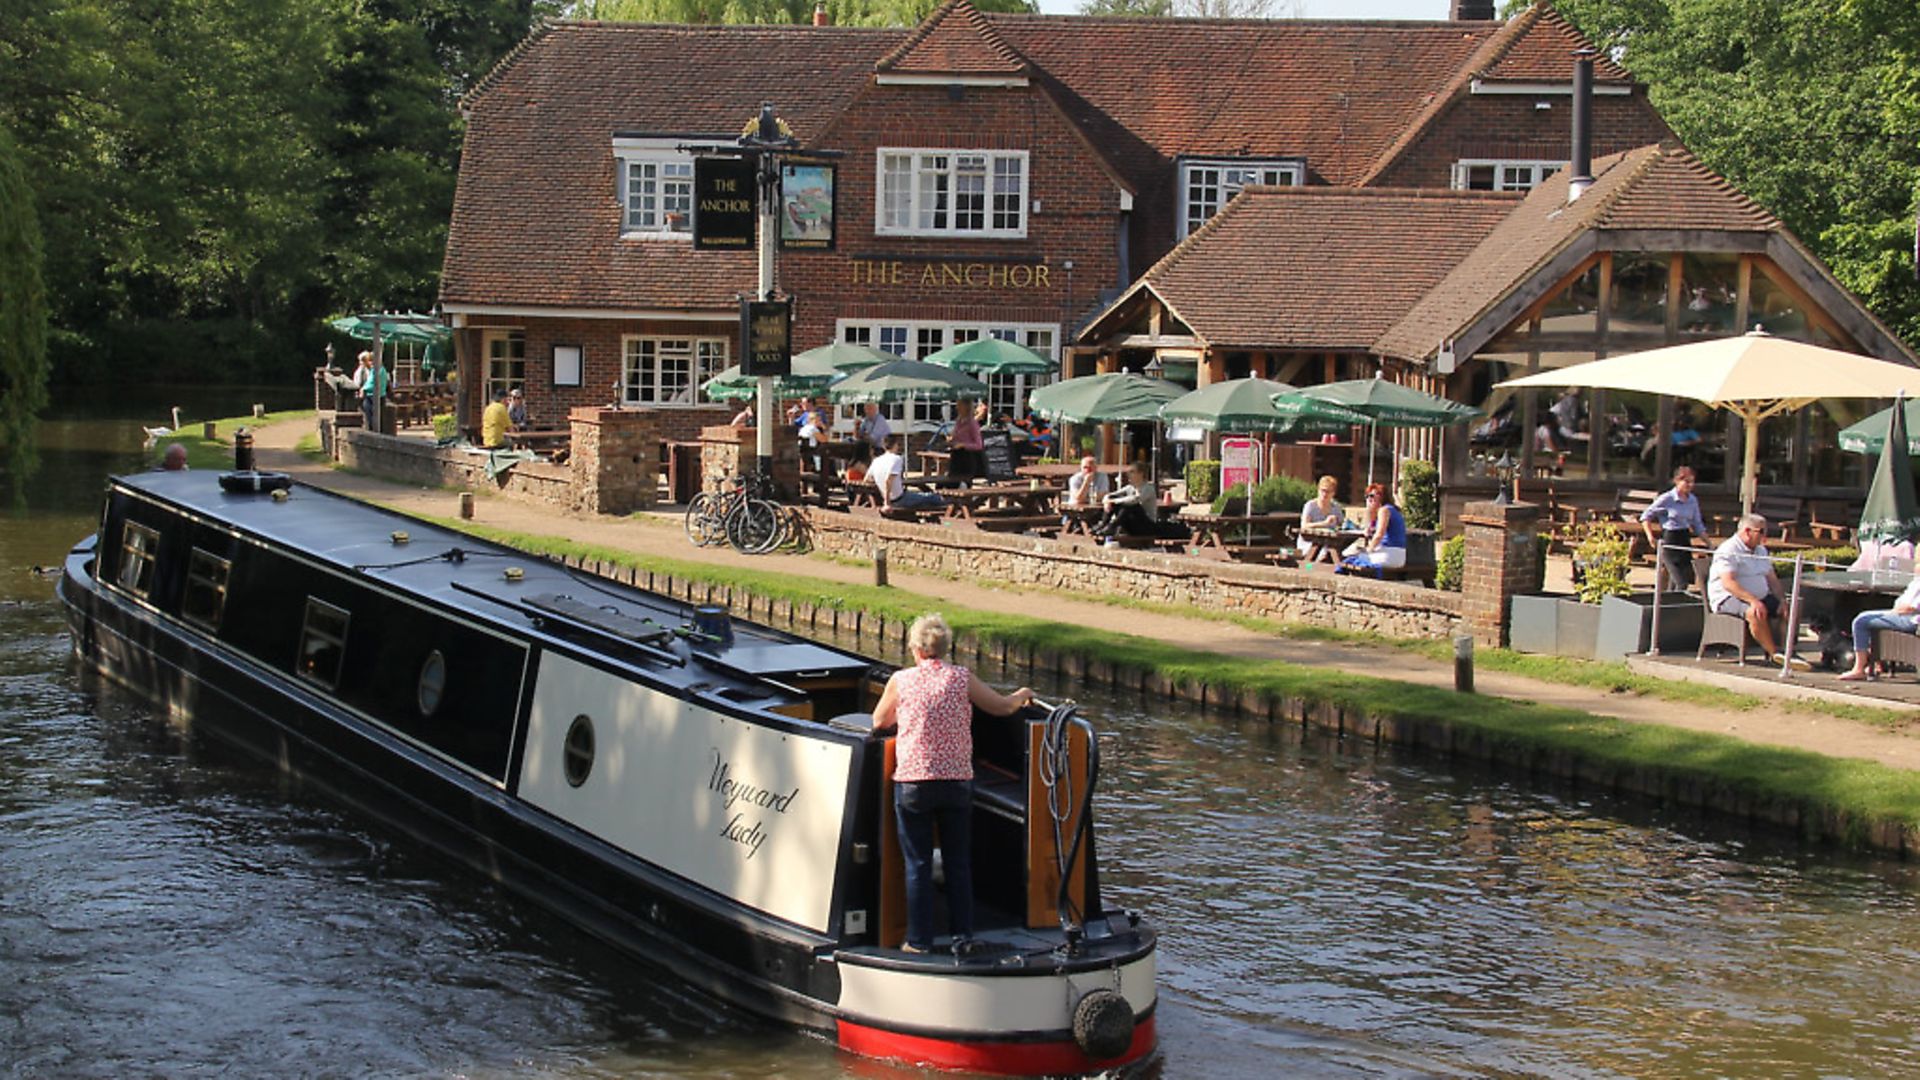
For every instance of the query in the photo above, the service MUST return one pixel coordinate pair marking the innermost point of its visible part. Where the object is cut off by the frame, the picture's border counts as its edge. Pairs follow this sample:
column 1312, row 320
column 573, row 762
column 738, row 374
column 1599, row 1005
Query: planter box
column 1533, row 625
column 1626, row 625
column 1578, row 628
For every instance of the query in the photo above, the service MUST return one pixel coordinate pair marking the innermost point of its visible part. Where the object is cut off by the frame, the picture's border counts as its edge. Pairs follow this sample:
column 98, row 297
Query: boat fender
column 1103, row 1024
column 250, row 480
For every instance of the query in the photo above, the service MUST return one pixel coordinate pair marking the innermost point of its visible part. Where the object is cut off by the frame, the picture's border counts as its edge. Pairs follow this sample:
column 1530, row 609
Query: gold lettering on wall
column 951, row 274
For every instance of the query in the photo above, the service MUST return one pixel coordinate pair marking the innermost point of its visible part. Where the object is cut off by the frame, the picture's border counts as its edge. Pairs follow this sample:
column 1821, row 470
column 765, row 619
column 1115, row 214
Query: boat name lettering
column 732, row 791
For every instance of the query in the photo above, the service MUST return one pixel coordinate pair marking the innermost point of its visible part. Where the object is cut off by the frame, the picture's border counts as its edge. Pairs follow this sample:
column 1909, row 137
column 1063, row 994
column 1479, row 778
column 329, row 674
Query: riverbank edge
column 1843, row 802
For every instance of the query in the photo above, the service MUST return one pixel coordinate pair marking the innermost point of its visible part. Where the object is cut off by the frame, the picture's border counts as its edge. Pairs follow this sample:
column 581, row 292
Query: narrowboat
column 700, row 791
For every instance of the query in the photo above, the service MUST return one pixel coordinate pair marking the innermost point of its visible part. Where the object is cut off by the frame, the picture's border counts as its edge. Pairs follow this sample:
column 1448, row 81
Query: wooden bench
column 1422, row 564
column 1006, row 522
column 1831, row 522
column 1628, row 505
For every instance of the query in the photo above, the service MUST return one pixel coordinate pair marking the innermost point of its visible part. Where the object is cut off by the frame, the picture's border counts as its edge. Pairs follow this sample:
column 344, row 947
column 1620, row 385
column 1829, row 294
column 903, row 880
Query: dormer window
column 951, row 193
column 1207, row 183
column 1492, row 174
column 653, row 181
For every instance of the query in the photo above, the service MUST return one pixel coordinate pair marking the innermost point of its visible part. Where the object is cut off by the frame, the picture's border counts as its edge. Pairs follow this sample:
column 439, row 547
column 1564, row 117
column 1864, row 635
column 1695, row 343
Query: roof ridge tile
column 974, row 47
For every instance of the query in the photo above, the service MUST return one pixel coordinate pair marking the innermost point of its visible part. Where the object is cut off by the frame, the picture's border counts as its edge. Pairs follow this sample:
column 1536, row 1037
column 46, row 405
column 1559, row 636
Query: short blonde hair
column 930, row 635
column 1328, row 481
column 366, row 356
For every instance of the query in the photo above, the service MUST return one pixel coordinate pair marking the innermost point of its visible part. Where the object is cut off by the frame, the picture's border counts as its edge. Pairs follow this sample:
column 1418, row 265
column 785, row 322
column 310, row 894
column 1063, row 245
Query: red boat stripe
column 1017, row 1058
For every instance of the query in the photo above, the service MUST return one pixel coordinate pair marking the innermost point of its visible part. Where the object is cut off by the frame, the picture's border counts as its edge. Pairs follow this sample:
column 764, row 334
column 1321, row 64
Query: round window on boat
column 433, row 683
column 579, row 750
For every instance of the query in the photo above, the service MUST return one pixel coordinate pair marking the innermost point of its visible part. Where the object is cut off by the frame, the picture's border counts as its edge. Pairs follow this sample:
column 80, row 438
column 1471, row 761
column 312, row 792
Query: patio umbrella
column 1389, row 403
column 1117, row 397
column 1753, row 376
column 1247, row 405
column 1891, row 513
column 393, row 326
column 807, row 374
column 1869, row 435
column 993, row 356
column 908, row 381
column 845, row 356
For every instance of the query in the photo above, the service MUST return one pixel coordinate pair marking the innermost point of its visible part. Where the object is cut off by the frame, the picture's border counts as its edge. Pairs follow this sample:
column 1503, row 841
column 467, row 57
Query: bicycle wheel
column 703, row 521
column 752, row 524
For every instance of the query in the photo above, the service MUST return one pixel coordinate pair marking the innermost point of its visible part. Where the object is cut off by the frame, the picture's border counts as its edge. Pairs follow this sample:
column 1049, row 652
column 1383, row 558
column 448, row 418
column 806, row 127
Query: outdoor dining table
column 1014, row 498
column 547, row 439
column 1828, row 601
column 1325, row 545
column 1214, row 533
column 1061, row 470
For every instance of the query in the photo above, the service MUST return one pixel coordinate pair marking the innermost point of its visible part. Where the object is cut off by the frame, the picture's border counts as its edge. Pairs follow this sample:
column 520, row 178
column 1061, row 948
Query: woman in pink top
column 932, row 703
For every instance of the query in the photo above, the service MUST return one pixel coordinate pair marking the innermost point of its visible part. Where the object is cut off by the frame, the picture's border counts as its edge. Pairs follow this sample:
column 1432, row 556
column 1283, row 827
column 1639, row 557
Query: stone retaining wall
column 412, row 462
column 1313, row 597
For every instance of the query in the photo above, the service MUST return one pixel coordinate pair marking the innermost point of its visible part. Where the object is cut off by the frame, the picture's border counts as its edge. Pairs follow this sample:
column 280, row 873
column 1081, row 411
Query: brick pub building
column 1069, row 183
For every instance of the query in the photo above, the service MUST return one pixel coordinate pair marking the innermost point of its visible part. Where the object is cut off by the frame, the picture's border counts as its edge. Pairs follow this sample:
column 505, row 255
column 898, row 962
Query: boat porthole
column 579, row 751
column 433, row 683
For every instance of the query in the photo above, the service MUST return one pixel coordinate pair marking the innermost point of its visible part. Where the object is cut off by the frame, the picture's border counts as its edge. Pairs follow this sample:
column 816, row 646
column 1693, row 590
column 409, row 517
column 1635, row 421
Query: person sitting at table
column 888, row 473
column 1875, row 553
column 1903, row 617
column 1741, row 581
column 494, row 421
column 1383, row 545
column 1133, row 509
column 1681, row 526
column 746, row 417
column 968, row 446
column 872, row 431
column 516, row 410
column 1320, row 512
column 1088, row 487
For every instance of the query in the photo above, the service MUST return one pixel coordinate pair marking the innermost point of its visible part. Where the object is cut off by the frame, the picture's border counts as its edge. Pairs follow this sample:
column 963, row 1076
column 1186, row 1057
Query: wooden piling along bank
column 1675, row 785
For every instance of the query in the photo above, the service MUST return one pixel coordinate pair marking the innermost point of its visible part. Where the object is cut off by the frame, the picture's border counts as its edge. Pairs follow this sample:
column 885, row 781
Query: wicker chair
column 1717, row 628
column 1896, row 647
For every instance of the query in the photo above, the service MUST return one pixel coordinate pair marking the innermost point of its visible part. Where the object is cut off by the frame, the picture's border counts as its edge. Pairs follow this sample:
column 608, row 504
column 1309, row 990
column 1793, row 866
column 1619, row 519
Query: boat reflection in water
column 706, row 793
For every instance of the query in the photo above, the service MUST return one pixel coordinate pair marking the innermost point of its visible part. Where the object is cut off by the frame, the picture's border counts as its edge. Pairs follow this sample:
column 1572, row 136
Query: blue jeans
column 918, row 807
column 919, row 500
column 1865, row 623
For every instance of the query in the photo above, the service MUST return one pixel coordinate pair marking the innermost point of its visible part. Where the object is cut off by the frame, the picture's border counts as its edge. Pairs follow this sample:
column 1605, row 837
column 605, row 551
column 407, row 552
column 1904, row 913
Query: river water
column 167, row 909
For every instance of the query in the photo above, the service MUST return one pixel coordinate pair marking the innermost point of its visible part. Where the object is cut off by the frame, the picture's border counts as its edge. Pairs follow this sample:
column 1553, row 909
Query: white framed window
column 951, row 193
column 653, row 182
column 1492, row 174
column 1207, row 183
column 668, row 371
column 1005, row 393
column 506, row 361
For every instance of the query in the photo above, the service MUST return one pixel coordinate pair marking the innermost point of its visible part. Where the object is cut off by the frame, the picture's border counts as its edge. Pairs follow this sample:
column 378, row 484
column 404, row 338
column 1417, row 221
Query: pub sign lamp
column 1507, row 470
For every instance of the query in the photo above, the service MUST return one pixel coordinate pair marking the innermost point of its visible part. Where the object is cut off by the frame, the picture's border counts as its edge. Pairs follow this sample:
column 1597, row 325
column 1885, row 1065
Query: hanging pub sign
column 766, row 337
column 806, row 206
column 723, row 204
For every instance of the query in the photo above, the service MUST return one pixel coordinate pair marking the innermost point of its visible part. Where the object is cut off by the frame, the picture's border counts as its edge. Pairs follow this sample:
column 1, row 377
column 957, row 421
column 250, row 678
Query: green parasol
column 1869, row 435
column 1113, row 398
column 408, row 326
column 845, row 356
column 903, row 380
column 994, row 356
column 1891, row 513
column 1391, row 404
column 808, row 373
column 1247, row 405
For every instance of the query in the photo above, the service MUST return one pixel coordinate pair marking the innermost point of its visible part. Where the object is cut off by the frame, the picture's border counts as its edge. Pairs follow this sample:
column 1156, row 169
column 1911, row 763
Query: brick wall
column 1500, row 563
column 1312, row 597
column 602, row 364
column 1510, row 127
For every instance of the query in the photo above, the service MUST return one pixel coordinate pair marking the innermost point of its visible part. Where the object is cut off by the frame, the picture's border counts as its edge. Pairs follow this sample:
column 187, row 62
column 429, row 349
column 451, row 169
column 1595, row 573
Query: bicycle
column 745, row 515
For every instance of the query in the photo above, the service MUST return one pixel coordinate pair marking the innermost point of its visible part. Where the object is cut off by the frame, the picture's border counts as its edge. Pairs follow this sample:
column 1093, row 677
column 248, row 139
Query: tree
column 23, row 320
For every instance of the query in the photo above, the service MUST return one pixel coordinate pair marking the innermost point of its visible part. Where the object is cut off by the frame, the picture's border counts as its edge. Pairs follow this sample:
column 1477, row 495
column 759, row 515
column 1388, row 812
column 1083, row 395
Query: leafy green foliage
column 1420, row 493
column 1451, row 564
column 1203, row 481
column 23, row 321
column 1275, row 494
column 1603, row 557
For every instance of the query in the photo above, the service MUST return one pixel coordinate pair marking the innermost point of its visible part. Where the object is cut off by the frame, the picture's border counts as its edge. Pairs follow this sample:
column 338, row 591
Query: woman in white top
column 1321, row 511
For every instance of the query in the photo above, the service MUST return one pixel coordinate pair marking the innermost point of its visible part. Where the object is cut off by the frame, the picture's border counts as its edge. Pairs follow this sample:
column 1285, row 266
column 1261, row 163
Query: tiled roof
column 1534, row 46
column 1335, row 92
column 1319, row 268
column 954, row 40
column 535, row 219
column 1653, row 187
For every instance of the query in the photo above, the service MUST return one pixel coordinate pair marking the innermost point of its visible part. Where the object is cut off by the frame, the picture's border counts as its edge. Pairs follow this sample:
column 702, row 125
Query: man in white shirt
column 888, row 474
column 1741, row 582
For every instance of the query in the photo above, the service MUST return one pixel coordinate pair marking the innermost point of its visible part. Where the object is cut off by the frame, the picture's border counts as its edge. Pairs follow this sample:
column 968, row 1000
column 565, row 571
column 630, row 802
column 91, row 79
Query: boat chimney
column 713, row 622
column 243, row 450
column 1580, row 169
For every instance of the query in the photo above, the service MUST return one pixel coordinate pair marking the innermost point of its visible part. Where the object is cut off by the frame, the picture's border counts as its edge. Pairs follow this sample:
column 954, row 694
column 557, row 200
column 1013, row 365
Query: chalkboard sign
column 999, row 451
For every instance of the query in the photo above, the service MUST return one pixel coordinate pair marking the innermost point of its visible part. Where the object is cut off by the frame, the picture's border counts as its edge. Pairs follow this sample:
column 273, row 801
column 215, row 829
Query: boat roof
column 477, row 578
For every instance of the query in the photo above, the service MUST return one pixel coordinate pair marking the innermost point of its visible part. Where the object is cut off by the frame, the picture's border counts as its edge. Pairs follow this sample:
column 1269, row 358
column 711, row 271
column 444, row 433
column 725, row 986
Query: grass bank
column 217, row 452
column 1845, row 800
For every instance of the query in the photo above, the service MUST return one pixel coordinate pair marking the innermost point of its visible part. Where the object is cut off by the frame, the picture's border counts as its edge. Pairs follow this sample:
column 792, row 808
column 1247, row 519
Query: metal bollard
column 466, row 504
column 880, row 566
column 1463, row 663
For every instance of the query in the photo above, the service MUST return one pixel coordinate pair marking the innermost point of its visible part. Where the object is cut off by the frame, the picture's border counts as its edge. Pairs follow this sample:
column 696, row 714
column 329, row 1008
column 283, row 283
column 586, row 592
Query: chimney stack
column 820, row 16
column 1472, row 10
column 1580, row 169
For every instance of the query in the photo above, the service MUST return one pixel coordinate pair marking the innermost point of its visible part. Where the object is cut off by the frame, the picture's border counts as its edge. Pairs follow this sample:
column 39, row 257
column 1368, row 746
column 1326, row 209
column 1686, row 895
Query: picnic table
column 540, row 439
column 1060, row 471
column 1213, row 534
column 1326, row 544
column 1009, row 498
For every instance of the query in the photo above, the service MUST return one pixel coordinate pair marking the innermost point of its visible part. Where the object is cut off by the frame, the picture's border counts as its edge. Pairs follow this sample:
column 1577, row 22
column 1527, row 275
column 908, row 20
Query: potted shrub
column 1420, row 494
column 1203, row 481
